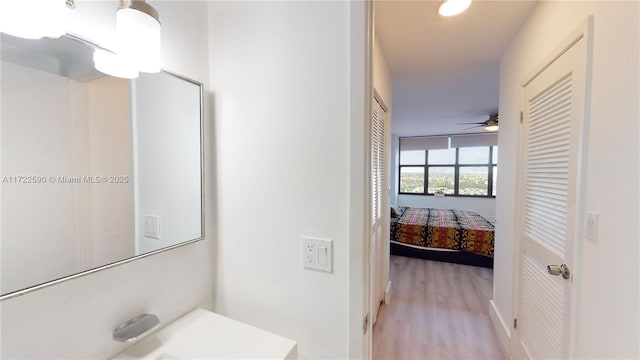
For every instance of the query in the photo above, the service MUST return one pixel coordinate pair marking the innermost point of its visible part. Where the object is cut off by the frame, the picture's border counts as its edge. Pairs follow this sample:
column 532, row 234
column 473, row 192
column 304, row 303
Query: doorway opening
column 431, row 259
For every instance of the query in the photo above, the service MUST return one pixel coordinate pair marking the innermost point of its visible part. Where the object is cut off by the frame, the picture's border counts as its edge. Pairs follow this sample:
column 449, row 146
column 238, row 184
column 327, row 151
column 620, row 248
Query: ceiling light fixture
column 492, row 128
column 34, row 19
column 138, row 36
column 453, row 7
column 113, row 64
column 492, row 123
column 138, row 33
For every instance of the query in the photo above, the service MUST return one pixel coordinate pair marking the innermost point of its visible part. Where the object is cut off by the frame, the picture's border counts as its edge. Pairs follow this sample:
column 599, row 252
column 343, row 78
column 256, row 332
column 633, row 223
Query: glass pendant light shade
column 34, row 19
column 115, row 65
column 138, row 32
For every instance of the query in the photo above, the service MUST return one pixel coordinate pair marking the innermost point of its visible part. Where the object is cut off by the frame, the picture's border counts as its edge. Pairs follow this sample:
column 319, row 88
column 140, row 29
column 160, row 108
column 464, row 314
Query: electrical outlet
column 309, row 253
column 317, row 254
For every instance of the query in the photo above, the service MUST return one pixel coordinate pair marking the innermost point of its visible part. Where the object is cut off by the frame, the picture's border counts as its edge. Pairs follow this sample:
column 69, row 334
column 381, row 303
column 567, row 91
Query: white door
column 378, row 197
column 554, row 126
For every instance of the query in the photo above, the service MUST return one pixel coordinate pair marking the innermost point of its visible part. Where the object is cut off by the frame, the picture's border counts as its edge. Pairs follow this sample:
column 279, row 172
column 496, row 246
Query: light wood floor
column 437, row 311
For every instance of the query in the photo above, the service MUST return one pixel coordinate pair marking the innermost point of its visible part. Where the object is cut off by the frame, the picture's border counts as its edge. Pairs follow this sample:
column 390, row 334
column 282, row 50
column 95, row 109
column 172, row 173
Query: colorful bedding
column 445, row 229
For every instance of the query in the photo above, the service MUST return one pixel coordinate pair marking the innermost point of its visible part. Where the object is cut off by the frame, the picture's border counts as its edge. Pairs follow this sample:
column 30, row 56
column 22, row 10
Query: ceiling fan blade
column 473, row 127
column 477, row 123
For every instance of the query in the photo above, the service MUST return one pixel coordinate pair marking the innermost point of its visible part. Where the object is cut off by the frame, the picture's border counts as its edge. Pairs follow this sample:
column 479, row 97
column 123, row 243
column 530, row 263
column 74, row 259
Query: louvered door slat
column 540, row 296
column 545, row 198
column 560, row 85
column 541, row 204
column 549, row 184
column 559, row 140
column 377, row 130
column 549, row 110
column 374, row 162
column 549, row 218
column 550, row 127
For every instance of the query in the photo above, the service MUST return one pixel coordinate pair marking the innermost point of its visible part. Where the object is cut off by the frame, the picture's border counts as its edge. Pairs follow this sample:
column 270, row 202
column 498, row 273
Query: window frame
column 457, row 165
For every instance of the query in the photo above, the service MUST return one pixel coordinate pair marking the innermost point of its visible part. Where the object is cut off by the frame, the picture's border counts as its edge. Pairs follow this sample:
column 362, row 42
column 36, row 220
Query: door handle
column 557, row 270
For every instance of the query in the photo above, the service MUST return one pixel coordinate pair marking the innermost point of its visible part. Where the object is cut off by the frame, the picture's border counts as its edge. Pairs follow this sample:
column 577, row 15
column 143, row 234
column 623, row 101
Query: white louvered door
column 554, row 103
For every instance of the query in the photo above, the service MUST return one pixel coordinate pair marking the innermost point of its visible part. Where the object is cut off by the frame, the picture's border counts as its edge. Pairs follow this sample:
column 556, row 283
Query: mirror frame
column 36, row 287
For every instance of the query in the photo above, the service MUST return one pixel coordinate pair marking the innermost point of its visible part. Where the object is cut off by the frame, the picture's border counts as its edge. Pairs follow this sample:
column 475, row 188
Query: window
column 463, row 171
column 412, row 179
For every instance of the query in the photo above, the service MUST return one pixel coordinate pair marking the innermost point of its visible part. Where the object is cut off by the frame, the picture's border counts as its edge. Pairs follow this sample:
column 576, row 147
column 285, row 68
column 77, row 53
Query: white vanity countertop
column 202, row 334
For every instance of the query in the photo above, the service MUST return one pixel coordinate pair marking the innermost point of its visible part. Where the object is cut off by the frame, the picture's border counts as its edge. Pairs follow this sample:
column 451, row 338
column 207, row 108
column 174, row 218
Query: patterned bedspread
column 442, row 228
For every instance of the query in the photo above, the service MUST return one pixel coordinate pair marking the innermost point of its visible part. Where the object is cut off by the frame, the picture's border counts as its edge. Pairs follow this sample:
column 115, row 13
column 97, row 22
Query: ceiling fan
column 489, row 125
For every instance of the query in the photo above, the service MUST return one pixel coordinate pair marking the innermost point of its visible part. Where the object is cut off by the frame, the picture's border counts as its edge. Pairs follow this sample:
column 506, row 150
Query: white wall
column 382, row 76
column 608, row 274
column 280, row 83
column 483, row 206
column 75, row 319
column 167, row 158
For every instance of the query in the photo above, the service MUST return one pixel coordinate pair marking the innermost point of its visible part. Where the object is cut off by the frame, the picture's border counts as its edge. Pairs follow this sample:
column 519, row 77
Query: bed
column 456, row 236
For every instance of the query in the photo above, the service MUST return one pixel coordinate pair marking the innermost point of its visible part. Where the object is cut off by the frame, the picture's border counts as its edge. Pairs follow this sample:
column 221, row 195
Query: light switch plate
column 152, row 226
column 317, row 254
column 591, row 226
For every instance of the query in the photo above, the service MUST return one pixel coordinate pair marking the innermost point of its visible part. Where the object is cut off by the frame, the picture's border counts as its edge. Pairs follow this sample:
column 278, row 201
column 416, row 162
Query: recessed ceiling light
column 453, row 7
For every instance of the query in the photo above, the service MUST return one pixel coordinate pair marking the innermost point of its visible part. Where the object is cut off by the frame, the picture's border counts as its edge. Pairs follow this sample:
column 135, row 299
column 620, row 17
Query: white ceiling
column 445, row 70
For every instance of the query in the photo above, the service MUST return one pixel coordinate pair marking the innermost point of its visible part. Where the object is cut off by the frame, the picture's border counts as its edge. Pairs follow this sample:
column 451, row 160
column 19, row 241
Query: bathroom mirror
column 96, row 170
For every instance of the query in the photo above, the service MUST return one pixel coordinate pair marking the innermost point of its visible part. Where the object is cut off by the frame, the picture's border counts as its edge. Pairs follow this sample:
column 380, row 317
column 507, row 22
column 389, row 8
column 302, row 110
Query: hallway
column 437, row 311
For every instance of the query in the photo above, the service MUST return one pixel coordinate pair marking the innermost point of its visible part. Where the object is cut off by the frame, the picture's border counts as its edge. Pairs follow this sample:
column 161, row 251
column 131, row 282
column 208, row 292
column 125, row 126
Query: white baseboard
column 387, row 294
column 503, row 331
